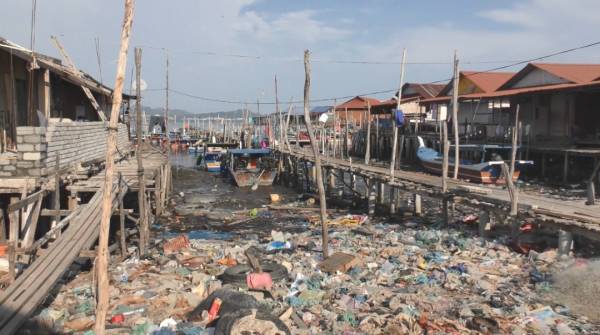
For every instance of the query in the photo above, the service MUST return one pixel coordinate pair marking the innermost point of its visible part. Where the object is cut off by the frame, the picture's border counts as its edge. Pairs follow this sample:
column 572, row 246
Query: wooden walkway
column 575, row 215
column 81, row 231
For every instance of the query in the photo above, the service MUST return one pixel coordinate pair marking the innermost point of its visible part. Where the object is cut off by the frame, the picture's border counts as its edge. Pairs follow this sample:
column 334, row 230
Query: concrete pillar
column 380, row 193
column 565, row 242
column 371, row 196
column 417, row 204
column 392, row 200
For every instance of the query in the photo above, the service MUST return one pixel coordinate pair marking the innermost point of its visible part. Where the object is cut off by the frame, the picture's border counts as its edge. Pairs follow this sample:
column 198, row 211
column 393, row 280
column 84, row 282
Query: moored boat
column 251, row 166
column 483, row 171
column 213, row 154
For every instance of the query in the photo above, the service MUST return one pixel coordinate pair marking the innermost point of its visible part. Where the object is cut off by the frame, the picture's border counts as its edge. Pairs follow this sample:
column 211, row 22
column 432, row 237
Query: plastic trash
column 279, row 245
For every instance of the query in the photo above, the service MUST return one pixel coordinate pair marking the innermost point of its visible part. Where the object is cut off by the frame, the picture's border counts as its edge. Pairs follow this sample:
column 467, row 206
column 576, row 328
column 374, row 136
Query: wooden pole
column 346, row 135
column 167, row 106
column 455, row 117
column 377, row 148
column 315, row 149
column 368, row 145
column 513, row 155
column 57, row 193
column 395, row 137
column 278, row 110
column 122, row 218
column 445, row 147
column 143, row 219
column 111, row 146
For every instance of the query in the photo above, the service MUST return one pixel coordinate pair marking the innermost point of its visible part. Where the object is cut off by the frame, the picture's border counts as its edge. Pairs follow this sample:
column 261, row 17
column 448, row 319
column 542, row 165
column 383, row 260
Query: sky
column 232, row 49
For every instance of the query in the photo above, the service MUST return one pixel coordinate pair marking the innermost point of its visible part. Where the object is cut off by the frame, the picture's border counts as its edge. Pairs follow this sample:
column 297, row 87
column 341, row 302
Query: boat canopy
column 250, row 152
column 221, row 145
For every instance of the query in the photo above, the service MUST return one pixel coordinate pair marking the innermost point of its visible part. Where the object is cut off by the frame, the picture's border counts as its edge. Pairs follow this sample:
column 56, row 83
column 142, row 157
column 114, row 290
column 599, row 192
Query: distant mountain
column 180, row 113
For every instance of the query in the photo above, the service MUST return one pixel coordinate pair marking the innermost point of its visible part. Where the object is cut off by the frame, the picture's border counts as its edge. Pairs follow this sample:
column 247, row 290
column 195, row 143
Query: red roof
column 486, row 81
column 357, row 103
column 574, row 73
column 518, row 91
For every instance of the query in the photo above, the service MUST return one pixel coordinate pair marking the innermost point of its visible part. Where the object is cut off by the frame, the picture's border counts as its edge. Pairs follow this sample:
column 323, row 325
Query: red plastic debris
column 214, row 309
column 259, row 281
column 176, row 244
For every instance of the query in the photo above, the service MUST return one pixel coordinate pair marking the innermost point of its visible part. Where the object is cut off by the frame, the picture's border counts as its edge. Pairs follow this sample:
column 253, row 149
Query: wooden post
column 57, row 193
column 565, row 168
column 2, row 227
column 513, row 157
column 315, row 149
column 143, row 216
column 591, row 189
column 167, row 107
column 347, row 149
column 46, row 95
column 377, row 148
column 278, row 110
column 331, row 179
column 111, row 145
column 371, row 196
column 368, row 145
column 401, row 150
column 446, row 148
column 455, row 117
column 380, row 193
column 417, row 201
column 122, row 218
column 395, row 138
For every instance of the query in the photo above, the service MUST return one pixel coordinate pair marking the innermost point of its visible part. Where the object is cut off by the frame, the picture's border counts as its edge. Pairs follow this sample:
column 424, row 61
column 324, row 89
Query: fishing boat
column 251, row 166
column 213, row 154
column 482, row 171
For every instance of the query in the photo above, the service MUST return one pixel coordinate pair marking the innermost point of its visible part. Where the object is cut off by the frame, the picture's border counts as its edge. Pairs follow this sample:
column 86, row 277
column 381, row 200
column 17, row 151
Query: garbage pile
column 398, row 279
column 261, row 271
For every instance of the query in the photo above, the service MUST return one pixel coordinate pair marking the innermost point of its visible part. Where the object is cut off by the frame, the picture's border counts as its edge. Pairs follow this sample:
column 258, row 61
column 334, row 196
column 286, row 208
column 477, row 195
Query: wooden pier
column 570, row 215
column 47, row 259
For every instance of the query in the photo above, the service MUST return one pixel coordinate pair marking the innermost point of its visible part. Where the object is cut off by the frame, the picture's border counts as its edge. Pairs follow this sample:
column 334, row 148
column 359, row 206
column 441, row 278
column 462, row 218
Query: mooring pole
column 315, row 149
column 455, row 117
column 395, row 138
column 111, row 146
column 143, row 219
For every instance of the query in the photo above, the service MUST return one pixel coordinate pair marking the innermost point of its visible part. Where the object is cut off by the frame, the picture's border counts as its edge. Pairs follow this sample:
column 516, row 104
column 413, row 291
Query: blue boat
column 213, row 154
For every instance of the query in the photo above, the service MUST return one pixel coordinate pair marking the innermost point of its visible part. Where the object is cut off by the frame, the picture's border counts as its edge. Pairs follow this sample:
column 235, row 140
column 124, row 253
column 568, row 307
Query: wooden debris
column 339, row 261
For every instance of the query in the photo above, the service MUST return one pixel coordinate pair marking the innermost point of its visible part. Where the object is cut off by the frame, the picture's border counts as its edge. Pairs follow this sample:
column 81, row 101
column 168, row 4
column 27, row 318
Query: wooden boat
column 484, row 171
column 213, row 154
column 246, row 166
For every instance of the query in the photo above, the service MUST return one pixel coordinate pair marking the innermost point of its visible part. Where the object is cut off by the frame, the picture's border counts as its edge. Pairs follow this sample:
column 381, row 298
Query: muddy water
column 205, row 201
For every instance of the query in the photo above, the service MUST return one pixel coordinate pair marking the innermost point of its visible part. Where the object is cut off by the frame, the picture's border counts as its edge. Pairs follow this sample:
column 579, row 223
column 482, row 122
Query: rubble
column 407, row 277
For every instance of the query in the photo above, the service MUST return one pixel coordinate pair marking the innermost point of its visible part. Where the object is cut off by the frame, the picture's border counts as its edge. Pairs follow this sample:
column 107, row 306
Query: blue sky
column 279, row 31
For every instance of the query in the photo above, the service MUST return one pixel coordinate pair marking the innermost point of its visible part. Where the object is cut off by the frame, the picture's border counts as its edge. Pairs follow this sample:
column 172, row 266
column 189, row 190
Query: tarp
column 399, row 115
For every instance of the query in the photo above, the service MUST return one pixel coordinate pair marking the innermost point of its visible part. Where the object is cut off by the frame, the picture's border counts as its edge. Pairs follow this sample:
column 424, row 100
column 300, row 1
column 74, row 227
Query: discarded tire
column 248, row 321
column 237, row 274
column 232, row 301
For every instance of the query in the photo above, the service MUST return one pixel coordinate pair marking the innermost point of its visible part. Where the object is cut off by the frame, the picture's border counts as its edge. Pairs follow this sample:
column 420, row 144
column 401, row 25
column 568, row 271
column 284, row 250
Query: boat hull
column 485, row 173
column 475, row 175
column 247, row 178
